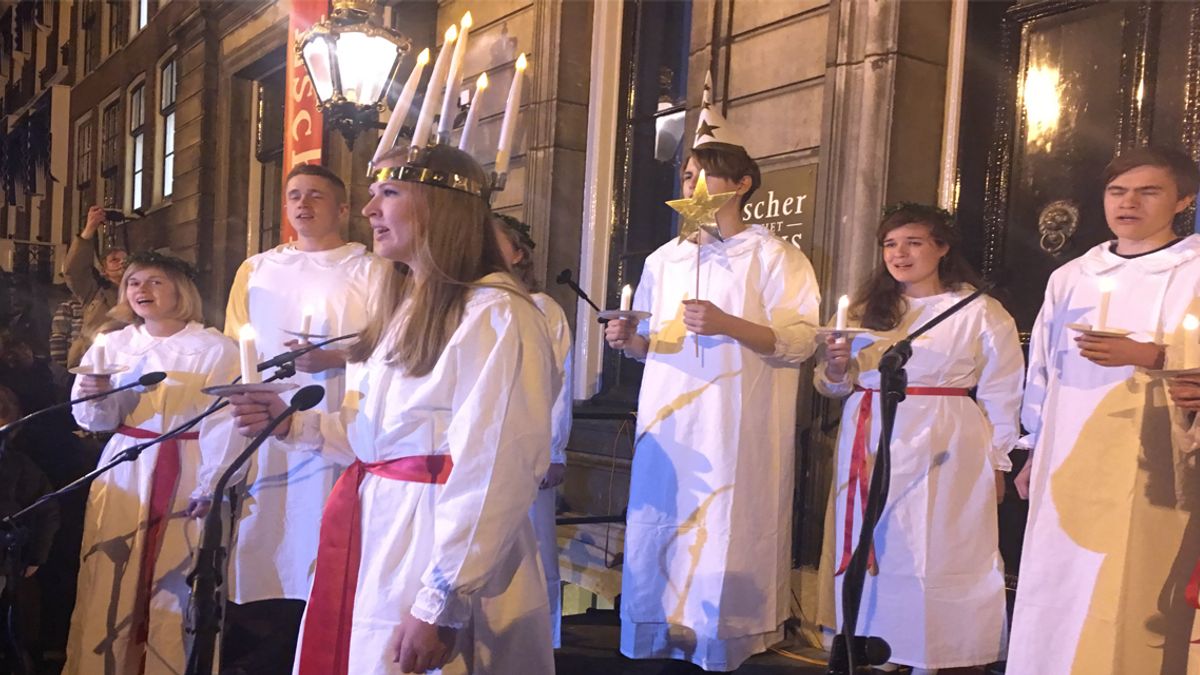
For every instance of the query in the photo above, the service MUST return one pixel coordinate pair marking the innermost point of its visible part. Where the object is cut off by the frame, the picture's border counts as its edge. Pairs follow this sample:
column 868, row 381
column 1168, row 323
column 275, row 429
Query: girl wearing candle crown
column 708, row 537
column 1111, row 539
column 517, row 246
column 427, row 556
column 936, row 554
column 140, row 524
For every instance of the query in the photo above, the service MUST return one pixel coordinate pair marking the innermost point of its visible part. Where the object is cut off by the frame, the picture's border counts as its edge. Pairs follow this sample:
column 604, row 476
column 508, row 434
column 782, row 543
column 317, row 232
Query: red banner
column 302, row 123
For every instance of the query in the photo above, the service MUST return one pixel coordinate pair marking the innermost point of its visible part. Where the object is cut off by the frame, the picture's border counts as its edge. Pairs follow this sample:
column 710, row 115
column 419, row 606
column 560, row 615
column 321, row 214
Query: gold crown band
column 427, row 176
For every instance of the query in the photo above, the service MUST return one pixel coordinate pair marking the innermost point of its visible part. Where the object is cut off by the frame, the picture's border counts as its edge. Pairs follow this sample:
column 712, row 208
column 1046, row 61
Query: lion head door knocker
column 1057, row 223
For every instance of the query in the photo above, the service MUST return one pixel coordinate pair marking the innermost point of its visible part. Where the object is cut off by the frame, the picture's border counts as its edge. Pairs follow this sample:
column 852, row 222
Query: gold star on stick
column 700, row 211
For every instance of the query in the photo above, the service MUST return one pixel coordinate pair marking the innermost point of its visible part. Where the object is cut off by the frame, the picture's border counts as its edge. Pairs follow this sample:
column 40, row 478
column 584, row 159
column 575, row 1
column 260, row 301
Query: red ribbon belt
column 858, row 463
column 325, row 646
column 162, row 492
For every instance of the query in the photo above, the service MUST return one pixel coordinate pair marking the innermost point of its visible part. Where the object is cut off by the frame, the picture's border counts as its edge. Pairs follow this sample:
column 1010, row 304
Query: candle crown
column 439, row 169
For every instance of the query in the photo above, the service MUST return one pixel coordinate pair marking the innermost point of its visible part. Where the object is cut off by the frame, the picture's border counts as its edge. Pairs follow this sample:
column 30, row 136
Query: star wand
column 699, row 212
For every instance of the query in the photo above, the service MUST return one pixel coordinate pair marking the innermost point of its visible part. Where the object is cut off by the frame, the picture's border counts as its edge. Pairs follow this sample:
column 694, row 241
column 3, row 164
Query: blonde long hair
column 456, row 246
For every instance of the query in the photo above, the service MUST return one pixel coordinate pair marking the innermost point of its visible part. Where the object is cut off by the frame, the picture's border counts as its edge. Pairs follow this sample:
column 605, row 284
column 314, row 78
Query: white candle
column 464, row 143
column 626, row 298
column 1191, row 348
column 403, row 104
column 249, row 355
column 511, row 110
column 454, row 77
column 436, row 78
column 306, row 320
column 1107, row 284
column 98, row 361
column 843, row 308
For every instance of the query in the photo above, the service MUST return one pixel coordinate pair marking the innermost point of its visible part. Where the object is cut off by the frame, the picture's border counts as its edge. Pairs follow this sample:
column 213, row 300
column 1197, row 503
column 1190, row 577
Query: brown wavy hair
column 456, row 245
column 879, row 304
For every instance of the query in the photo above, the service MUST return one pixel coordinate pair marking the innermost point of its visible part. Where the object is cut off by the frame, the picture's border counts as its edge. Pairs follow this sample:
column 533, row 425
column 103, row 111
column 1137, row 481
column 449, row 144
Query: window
column 268, row 153
column 110, row 148
column 137, row 146
column 118, row 24
column 143, row 14
column 91, row 36
column 167, row 86
column 85, row 157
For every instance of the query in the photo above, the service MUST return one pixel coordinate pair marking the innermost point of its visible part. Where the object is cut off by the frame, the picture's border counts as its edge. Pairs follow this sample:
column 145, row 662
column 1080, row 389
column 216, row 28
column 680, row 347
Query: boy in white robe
column 1110, row 542
column 280, row 502
column 706, row 576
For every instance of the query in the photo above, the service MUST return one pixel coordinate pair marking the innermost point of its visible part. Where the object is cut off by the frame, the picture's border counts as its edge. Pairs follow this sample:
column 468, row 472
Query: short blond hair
column 188, row 308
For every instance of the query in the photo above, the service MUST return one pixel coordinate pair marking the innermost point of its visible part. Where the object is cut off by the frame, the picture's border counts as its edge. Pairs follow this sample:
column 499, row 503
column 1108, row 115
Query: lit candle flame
column 1107, row 285
column 451, row 33
column 423, row 57
column 1190, row 322
column 522, row 62
column 247, row 332
column 466, row 22
column 482, row 82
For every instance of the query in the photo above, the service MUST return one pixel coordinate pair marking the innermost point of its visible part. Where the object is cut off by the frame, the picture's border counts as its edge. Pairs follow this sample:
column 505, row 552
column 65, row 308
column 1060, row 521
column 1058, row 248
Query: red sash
column 162, row 491
column 858, row 464
column 325, row 645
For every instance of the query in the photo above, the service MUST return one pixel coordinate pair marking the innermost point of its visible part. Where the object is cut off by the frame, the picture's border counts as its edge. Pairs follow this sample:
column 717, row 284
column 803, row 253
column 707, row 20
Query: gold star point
column 699, row 212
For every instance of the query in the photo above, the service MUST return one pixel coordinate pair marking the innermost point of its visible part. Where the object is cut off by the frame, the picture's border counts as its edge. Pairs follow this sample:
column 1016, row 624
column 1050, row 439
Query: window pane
column 168, row 176
column 168, row 85
column 143, row 13
column 169, row 134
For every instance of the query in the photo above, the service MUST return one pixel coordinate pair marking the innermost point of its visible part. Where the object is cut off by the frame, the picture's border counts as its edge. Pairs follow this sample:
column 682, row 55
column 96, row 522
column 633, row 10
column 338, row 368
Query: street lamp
column 351, row 58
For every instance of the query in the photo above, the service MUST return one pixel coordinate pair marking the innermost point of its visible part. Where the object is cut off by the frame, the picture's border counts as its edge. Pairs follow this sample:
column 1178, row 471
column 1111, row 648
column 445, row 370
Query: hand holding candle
column 626, row 298
column 249, row 355
column 1107, row 284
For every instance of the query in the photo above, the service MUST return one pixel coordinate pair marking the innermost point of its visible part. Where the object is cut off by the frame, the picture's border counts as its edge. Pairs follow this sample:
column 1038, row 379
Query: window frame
column 135, row 146
column 164, row 155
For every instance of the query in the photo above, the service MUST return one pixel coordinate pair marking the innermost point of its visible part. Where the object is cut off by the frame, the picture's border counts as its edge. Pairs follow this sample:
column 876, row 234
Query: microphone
column 147, row 380
column 210, row 556
column 868, row 651
column 288, row 357
column 564, row 278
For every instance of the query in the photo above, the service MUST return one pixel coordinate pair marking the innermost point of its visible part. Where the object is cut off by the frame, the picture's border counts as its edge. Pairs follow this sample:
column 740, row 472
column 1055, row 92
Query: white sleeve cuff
column 440, row 608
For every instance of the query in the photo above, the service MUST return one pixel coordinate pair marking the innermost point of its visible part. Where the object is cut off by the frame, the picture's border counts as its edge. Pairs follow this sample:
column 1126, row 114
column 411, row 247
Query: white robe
column 1111, row 538
column 101, row 640
column 938, row 599
column 460, row 554
column 275, row 543
column 543, row 512
column 707, row 565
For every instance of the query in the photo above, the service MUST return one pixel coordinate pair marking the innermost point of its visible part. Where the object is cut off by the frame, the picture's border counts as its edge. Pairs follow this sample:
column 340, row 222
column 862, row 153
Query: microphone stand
column 12, row 533
column 893, row 383
column 564, row 278
column 205, row 578
column 289, row 358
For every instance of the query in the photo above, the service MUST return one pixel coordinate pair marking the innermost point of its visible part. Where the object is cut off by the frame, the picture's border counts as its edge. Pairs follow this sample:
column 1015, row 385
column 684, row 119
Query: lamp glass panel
column 316, row 58
column 364, row 64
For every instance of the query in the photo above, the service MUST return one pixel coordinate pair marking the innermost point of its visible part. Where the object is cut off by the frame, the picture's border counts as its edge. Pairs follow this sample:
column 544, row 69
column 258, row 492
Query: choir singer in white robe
column 427, row 556
column 141, row 527
column 707, row 574
column 936, row 594
column 517, row 246
column 1112, row 536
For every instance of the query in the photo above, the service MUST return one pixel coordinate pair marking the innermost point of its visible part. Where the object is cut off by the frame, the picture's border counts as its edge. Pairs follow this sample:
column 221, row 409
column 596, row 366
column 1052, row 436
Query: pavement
column 591, row 641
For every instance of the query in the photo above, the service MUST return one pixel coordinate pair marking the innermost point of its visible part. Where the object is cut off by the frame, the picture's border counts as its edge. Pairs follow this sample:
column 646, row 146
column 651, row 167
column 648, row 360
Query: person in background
column 517, row 246
column 97, row 292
